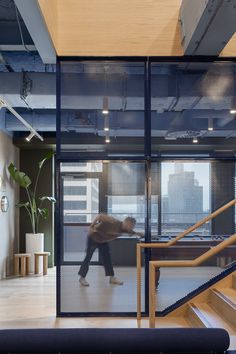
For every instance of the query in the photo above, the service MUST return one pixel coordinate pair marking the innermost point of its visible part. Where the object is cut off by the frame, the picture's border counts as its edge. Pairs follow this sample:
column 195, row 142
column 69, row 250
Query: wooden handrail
column 184, row 263
column 168, row 244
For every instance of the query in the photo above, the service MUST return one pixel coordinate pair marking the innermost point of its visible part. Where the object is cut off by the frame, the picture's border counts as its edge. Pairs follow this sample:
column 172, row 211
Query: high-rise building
column 80, row 194
column 185, row 196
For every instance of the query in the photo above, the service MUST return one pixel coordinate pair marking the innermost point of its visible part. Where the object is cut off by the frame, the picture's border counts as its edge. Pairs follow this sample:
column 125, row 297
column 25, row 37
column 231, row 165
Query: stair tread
column 228, row 293
column 212, row 317
column 167, row 322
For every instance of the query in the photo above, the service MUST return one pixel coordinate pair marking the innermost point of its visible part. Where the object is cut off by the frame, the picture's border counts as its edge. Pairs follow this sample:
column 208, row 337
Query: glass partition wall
column 110, row 190
column 148, row 140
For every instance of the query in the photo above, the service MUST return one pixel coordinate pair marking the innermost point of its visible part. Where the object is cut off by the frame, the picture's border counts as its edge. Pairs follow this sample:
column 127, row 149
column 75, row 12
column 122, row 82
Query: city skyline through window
column 185, row 195
column 201, row 172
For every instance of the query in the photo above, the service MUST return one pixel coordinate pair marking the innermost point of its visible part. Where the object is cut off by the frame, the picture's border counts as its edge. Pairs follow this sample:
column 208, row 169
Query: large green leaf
column 50, row 199
column 47, row 157
column 19, row 177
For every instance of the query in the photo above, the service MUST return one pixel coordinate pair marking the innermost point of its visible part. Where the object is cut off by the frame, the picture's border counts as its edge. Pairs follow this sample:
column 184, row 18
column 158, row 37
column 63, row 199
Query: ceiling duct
column 182, row 127
column 206, row 25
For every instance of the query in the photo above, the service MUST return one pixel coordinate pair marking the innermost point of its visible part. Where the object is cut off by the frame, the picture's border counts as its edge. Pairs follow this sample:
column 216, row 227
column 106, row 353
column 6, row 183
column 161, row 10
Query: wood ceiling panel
column 230, row 48
column 114, row 27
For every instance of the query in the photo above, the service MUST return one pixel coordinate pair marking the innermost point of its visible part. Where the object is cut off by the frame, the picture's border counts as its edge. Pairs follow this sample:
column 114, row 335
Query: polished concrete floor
column 34, row 297
column 100, row 296
column 30, row 302
column 78, row 256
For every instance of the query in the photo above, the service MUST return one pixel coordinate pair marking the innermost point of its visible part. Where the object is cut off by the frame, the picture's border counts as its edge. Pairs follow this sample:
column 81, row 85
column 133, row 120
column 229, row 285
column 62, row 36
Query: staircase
column 213, row 308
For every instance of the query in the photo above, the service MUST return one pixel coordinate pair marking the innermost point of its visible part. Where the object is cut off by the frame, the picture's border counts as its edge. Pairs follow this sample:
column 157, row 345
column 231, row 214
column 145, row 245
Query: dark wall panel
column 223, row 175
column 29, row 164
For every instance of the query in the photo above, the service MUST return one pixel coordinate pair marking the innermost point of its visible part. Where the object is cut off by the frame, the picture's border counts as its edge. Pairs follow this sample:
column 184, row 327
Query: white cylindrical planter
column 34, row 243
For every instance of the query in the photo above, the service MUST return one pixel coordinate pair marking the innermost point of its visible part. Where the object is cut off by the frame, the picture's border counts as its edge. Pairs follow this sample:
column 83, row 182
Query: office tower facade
column 184, row 203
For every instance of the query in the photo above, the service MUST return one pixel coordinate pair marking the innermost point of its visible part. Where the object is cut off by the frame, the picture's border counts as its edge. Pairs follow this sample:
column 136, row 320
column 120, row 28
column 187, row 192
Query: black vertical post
column 58, row 237
column 147, row 142
column 58, row 109
column 159, row 198
column 103, row 197
column 58, row 190
column 147, row 108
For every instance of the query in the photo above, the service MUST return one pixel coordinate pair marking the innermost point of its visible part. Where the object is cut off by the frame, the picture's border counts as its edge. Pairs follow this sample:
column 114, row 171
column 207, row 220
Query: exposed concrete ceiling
column 13, row 29
column 101, row 28
column 179, row 102
column 207, row 26
column 34, row 21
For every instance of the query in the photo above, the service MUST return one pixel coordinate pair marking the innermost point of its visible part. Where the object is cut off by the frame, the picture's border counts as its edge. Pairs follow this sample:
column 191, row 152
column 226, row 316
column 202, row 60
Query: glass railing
column 179, row 267
column 172, row 280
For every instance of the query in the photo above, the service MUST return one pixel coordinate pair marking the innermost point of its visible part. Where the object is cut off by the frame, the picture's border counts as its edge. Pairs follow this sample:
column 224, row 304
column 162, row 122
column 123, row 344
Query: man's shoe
column 83, row 281
column 116, row 281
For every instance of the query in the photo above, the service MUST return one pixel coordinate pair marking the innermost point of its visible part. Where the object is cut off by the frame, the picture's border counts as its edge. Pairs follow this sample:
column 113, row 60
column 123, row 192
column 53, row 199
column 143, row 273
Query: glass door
column 111, row 196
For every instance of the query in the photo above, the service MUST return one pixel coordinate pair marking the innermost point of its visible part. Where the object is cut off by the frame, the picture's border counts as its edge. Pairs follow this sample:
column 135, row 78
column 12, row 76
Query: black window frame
column 147, row 158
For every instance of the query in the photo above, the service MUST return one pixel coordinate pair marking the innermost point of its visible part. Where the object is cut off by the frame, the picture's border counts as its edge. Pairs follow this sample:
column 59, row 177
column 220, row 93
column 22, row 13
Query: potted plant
column 34, row 206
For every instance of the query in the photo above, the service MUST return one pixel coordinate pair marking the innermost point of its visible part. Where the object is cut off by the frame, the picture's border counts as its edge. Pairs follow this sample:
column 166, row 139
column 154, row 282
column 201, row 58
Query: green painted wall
column 29, row 164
